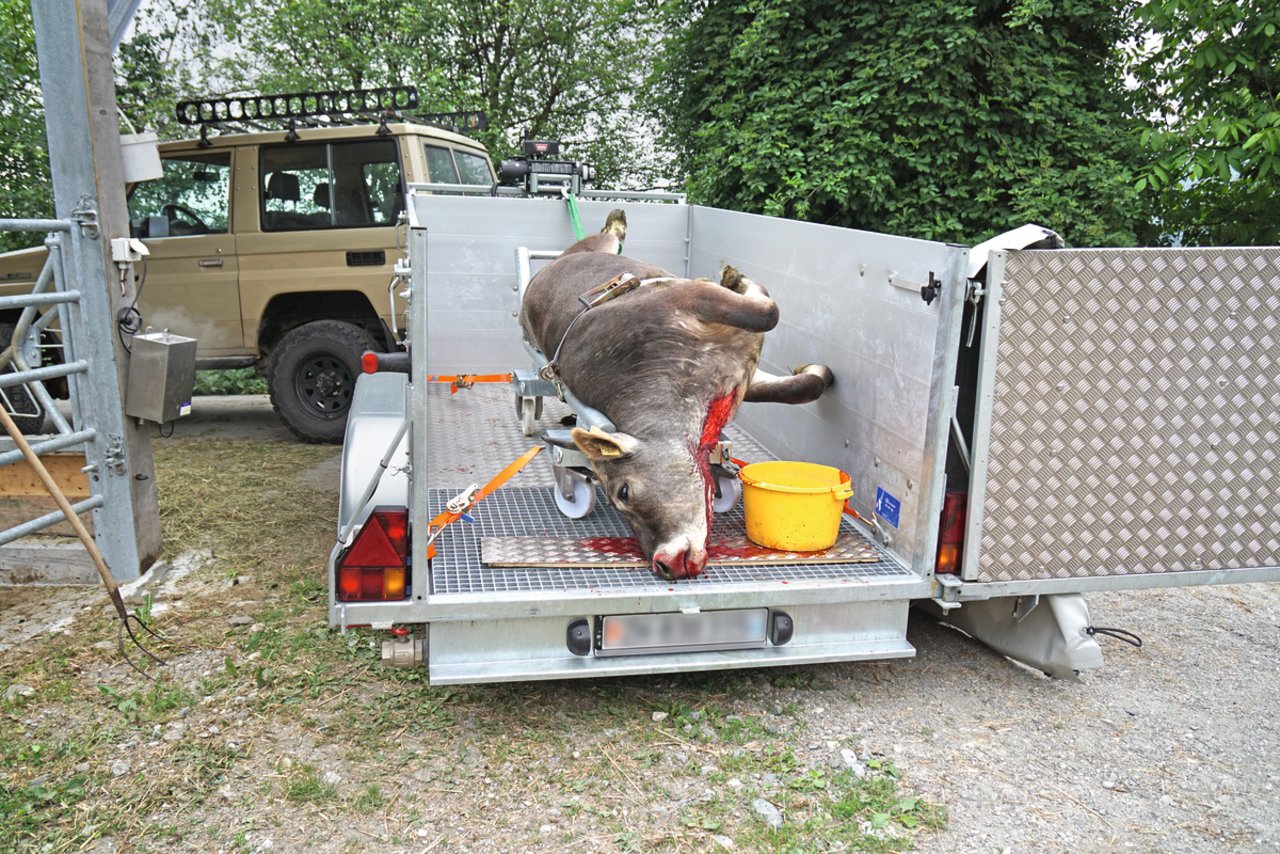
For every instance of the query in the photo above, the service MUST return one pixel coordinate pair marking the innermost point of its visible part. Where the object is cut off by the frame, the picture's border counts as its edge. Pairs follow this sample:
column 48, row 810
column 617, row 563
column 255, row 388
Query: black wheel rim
column 324, row 385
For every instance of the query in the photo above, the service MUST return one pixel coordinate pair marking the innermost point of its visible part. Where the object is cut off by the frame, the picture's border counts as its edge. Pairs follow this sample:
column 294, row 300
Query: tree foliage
column 25, row 190
column 1210, row 77
column 538, row 68
column 941, row 119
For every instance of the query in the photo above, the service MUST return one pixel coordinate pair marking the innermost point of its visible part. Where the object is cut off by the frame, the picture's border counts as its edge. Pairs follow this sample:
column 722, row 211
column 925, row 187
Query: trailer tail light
column 375, row 568
column 951, row 533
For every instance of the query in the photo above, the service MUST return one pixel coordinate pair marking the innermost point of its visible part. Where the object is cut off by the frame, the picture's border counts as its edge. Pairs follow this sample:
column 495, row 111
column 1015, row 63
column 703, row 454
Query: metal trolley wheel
column 581, row 502
column 529, row 409
column 730, row 492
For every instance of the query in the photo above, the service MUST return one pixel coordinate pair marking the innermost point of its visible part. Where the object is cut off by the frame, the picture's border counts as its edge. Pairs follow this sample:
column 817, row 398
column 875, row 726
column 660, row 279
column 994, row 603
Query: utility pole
column 76, row 78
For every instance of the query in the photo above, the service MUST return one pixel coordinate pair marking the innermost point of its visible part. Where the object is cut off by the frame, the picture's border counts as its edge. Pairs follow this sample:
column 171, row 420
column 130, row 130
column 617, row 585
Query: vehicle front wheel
column 312, row 377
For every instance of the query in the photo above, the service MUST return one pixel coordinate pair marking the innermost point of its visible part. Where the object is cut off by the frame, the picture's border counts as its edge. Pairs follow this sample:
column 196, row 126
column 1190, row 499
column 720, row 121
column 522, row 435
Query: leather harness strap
column 624, row 283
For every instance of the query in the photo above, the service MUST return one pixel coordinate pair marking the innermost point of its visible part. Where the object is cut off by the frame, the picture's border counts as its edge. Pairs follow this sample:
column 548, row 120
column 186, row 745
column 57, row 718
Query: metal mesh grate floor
column 531, row 512
column 475, row 433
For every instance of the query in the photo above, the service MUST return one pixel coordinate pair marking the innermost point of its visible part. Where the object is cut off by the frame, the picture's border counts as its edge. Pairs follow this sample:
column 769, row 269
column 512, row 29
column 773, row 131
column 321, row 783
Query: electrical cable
column 128, row 318
column 1119, row 634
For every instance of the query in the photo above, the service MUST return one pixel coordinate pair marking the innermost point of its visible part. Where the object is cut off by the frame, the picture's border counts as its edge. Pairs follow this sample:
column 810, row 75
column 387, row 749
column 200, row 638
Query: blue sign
column 887, row 507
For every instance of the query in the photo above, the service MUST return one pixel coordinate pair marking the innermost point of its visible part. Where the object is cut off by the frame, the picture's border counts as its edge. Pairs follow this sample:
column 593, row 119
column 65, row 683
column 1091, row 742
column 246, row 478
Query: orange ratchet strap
column 460, row 505
column 459, row 381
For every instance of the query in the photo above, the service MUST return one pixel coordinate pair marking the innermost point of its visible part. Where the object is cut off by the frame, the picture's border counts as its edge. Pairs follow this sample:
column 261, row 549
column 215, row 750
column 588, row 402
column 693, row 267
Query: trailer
column 1022, row 426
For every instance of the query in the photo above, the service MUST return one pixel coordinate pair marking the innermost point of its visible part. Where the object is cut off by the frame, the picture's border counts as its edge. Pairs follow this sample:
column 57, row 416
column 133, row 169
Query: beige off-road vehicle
column 276, row 250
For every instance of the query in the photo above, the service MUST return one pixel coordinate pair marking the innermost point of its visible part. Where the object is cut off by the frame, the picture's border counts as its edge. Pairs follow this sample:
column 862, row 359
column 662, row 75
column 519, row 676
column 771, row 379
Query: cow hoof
column 828, row 378
column 733, row 280
column 616, row 224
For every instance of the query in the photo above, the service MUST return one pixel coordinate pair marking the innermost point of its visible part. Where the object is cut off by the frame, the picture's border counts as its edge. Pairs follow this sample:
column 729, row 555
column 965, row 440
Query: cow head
column 657, row 487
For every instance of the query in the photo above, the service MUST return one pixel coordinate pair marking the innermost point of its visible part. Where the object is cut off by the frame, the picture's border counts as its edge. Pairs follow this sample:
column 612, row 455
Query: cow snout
column 682, row 562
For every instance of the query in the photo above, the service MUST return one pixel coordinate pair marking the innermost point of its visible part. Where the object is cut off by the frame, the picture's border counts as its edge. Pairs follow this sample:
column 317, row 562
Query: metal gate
column 1128, row 415
column 56, row 309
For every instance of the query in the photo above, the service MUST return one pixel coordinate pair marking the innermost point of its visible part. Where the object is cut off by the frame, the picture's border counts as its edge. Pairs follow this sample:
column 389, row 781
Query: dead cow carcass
column 667, row 360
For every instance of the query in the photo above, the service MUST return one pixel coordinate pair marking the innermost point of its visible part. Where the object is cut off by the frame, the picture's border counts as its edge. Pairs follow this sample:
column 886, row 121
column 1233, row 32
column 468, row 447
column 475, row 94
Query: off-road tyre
column 312, row 377
column 17, row 400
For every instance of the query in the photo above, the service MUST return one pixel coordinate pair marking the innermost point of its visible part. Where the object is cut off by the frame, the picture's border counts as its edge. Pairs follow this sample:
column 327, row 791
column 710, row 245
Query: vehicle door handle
column 210, row 262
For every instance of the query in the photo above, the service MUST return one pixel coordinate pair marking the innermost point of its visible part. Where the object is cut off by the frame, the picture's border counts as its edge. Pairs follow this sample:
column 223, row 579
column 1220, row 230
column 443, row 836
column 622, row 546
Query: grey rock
column 846, row 760
column 332, row 778
column 723, row 841
column 119, row 768
column 16, row 690
column 256, row 627
column 769, row 780
column 83, row 768
column 659, row 717
column 707, row 732
column 768, row 812
column 238, row 620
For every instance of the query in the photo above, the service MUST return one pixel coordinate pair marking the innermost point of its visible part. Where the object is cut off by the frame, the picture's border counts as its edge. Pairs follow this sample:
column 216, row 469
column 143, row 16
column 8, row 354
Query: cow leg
column 804, row 386
column 608, row 241
column 737, row 302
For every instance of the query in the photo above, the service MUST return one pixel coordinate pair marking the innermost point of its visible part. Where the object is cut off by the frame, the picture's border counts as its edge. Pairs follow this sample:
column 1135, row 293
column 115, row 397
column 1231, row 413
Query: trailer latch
column 929, row 292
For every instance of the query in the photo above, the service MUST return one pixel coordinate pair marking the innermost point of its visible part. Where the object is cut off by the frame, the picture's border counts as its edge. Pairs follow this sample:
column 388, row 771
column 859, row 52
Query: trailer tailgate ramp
column 1128, row 422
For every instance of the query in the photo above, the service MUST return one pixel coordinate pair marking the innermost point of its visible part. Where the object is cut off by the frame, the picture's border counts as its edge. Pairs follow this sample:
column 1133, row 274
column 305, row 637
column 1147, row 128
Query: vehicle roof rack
column 328, row 108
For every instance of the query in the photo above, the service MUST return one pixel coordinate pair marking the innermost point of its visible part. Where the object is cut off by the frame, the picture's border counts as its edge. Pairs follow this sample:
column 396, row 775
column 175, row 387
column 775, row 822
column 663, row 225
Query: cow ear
column 601, row 446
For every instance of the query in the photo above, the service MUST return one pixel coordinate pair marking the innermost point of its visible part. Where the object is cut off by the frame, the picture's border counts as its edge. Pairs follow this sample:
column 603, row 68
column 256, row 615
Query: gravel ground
column 1173, row 747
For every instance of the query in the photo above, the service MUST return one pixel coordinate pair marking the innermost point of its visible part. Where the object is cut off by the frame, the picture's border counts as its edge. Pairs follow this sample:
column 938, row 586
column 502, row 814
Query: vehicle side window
column 473, row 169
column 440, row 167
column 449, row 166
column 192, row 197
column 330, row 185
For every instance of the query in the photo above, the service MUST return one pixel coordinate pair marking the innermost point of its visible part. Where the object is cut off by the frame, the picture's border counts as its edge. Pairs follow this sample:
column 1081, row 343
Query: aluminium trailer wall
column 849, row 299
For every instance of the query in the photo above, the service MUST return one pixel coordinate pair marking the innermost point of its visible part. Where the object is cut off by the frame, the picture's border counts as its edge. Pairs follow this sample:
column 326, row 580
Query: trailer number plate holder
column 649, row 634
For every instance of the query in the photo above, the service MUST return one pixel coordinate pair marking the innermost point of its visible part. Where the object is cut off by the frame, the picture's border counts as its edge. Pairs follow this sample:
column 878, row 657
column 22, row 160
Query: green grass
column 319, row 696
column 305, row 785
column 230, row 381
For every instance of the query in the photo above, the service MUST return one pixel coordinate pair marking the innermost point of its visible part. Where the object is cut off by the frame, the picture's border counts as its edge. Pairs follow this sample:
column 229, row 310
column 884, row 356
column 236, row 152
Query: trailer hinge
column 929, row 292
column 948, row 591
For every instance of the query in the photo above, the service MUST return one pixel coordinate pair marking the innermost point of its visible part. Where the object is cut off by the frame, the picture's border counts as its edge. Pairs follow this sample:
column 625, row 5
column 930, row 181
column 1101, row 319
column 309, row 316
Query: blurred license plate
column 636, row 634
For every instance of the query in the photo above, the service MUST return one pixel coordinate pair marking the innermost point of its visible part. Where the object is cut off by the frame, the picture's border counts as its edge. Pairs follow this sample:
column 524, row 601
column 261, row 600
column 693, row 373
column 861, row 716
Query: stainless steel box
column 162, row 373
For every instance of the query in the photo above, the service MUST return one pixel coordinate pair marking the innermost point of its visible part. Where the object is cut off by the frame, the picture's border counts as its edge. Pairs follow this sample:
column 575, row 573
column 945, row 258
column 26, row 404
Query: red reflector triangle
column 372, row 548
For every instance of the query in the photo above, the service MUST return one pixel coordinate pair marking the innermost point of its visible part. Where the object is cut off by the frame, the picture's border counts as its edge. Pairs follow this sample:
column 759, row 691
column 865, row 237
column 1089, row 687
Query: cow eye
column 624, row 492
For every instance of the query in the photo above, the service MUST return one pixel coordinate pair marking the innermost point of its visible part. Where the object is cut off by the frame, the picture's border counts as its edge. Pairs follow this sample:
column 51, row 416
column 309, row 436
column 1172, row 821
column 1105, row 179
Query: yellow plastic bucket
column 792, row 506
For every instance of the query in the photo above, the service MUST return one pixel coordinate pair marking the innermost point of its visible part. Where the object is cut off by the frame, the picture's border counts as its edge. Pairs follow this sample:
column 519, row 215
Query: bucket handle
column 841, row 492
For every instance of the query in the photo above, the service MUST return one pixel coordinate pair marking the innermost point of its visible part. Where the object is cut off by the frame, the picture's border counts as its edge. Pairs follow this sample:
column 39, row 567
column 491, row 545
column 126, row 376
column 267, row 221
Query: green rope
column 574, row 216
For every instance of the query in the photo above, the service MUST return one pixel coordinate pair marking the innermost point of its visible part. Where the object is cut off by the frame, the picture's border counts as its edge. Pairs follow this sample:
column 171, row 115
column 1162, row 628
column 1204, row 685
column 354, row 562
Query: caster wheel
column 730, row 492
column 530, row 410
column 582, row 502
